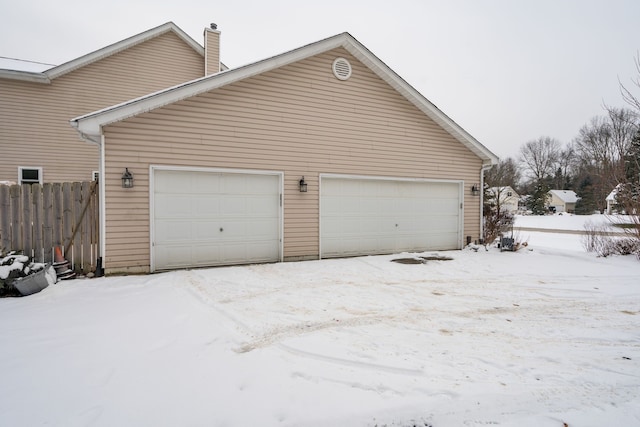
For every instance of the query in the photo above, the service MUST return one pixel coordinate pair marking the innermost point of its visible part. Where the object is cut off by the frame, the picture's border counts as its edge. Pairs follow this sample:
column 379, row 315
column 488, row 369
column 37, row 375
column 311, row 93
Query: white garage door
column 374, row 216
column 203, row 218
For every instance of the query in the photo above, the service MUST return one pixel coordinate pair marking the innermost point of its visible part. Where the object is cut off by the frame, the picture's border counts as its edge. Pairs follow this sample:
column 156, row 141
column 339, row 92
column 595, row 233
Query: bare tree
column 540, row 157
column 505, row 173
column 601, row 146
column 627, row 95
column 566, row 167
column 629, row 191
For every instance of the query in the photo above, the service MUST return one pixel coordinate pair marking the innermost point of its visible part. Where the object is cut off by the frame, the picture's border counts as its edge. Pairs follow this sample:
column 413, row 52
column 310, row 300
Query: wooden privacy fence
column 38, row 218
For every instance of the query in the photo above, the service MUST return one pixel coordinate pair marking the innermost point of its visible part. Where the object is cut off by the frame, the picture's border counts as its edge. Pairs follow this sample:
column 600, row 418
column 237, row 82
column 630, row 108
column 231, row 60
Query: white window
column 29, row 175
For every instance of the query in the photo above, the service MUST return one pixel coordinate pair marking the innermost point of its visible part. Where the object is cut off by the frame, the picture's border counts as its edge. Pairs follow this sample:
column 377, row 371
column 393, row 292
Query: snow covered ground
column 542, row 337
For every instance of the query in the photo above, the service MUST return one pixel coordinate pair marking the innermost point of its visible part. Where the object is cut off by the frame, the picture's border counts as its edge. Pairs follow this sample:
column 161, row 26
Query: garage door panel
column 264, row 205
column 215, row 218
column 231, row 205
column 173, row 207
column 369, row 216
column 201, row 255
column 204, row 206
column 173, row 230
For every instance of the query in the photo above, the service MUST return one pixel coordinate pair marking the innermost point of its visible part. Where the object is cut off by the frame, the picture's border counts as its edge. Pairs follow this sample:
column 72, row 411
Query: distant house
column 506, row 197
column 563, row 201
column 612, row 204
column 37, row 102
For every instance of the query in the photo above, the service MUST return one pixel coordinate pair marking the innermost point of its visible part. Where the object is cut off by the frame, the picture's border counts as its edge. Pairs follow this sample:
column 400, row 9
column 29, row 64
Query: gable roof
column 566, row 196
column 57, row 71
column 89, row 125
column 612, row 196
column 502, row 190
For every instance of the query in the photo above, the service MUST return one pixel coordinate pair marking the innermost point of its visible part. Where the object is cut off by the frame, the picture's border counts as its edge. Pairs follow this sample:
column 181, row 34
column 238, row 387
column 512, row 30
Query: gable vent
column 341, row 69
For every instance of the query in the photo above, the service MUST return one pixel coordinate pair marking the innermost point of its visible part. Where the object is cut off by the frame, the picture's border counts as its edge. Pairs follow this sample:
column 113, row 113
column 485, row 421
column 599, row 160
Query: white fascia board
column 123, row 45
column 25, row 76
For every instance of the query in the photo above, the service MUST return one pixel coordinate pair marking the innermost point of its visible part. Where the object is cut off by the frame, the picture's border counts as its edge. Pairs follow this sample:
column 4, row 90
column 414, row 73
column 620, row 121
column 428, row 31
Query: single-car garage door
column 208, row 218
column 361, row 216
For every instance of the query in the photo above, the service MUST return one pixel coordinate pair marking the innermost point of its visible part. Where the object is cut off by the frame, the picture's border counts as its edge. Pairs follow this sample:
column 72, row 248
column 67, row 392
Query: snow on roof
column 566, row 196
column 24, row 65
column 612, row 196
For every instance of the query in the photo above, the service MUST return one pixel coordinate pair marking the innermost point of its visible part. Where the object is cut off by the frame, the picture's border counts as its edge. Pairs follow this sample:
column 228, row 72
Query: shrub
column 596, row 240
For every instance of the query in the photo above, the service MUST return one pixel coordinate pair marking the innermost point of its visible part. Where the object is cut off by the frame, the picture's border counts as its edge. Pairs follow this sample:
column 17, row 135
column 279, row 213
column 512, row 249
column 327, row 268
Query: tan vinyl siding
column 34, row 117
column 298, row 119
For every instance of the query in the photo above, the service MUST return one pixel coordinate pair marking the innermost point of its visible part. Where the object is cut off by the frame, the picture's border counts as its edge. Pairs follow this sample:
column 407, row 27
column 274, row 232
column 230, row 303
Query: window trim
column 23, row 168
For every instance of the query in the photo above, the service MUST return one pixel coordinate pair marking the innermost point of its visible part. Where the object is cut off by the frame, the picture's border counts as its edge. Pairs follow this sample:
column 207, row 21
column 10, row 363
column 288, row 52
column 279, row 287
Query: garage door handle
column 221, row 229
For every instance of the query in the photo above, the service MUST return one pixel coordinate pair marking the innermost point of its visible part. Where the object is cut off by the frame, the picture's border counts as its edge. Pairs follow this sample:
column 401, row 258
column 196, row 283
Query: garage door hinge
column 460, row 205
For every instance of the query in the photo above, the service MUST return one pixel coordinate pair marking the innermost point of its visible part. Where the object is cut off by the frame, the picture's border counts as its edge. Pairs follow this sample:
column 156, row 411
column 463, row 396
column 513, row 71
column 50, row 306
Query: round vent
column 341, row 68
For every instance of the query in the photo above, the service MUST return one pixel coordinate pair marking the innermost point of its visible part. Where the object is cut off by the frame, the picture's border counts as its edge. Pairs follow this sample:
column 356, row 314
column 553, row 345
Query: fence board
column 16, row 220
column 37, row 219
column 85, row 236
column 27, row 244
column 36, row 196
column 67, row 218
column 57, row 214
column 47, row 228
column 5, row 218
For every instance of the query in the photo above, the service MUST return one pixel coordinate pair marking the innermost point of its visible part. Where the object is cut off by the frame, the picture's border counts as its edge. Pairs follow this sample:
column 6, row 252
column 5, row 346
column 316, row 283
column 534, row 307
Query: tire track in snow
column 195, row 284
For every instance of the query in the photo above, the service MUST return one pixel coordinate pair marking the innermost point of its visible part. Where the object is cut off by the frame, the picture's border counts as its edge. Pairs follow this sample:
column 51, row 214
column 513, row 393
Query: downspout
column 99, row 140
column 102, row 200
column 483, row 169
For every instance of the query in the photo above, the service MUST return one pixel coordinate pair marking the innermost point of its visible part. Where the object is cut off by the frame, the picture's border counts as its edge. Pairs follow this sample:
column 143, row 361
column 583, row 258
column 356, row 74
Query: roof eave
column 25, row 76
column 120, row 46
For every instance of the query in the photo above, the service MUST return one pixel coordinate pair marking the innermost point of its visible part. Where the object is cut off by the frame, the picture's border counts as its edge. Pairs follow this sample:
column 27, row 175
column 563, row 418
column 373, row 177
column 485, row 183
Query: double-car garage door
column 207, row 218
column 361, row 216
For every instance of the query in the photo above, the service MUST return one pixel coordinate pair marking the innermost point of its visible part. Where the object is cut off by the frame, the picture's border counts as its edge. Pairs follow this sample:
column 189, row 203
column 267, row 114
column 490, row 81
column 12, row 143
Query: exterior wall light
column 127, row 179
column 475, row 190
column 303, row 185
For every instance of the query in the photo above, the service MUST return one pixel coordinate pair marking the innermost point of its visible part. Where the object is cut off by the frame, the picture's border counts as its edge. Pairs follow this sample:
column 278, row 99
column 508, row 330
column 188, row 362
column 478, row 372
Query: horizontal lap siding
column 34, row 117
column 299, row 119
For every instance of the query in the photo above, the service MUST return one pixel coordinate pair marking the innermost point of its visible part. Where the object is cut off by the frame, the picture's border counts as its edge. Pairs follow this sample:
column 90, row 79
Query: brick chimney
column 211, row 50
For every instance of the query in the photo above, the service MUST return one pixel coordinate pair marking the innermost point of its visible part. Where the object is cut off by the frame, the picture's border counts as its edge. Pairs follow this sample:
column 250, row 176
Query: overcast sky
column 507, row 71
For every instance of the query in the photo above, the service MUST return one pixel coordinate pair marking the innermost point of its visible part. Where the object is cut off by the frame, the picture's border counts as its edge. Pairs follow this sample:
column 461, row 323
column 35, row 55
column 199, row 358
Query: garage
column 364, row 216
column 214, row 217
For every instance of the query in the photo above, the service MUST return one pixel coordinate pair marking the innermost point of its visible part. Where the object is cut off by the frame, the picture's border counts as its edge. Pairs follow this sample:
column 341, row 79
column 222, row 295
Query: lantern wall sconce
column 127, row 179
column 475, row 190
column 303, row 185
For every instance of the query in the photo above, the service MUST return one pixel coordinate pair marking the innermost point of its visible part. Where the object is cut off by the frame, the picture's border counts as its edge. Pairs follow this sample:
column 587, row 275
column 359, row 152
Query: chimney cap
column 213, row 26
